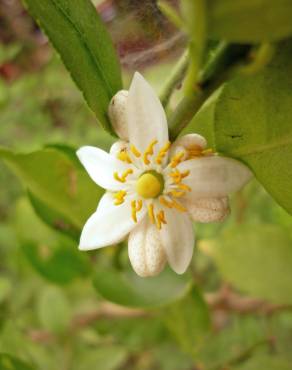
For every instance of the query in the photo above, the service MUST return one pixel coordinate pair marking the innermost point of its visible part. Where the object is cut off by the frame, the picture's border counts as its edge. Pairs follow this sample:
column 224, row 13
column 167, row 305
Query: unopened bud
column 145, row 250
column 117, row 114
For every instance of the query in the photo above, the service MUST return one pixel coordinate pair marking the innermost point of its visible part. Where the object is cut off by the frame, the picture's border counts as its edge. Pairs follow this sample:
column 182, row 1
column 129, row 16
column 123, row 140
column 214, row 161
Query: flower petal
column 145, row 249
column 101, row 166
column 146, row 116
column 207, row 210
column 109, row 224
column 178, row 239
column 214, row 177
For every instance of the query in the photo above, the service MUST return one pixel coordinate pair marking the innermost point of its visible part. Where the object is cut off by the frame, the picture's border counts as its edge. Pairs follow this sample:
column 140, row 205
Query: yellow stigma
column 149, row 185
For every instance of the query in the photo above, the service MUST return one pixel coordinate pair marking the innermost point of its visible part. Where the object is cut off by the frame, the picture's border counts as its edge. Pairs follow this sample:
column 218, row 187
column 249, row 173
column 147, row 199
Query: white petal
column 109, row 224
column 208, row 209
column 178, row 239
column 214, row 177
column 101, row 166
column 117, row 147
column 146, row 116
column 145, row 248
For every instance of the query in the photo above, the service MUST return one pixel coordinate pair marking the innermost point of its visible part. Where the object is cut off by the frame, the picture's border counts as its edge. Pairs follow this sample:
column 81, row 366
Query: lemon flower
column 155, row 189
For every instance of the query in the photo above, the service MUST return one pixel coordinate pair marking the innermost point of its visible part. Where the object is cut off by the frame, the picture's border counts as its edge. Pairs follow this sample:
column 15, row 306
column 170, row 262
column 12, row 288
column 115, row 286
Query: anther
column 176, row 159
column 162, row 152
column 151, row 213
column 124, row 175
column 165, row 202
column 124, row 156
column 149, row 151
column 178, row 206
column 160, row 219
column 136, row 207
column 135, row 151
column 119, row 197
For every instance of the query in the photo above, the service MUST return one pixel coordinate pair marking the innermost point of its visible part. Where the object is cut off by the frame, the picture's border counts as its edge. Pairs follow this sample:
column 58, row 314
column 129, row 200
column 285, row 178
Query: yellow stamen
column 135, row 151
column 178, row 206
column 124, row 175
column 176, row 159
column 160, row 219
column 165, row 202
column 136, row 207
column 208, row 151
column 124, row 156
column 119, row 197
column 162, row 152
column 151, row 213
column 177, row 194
column 184, row 187
column 149, row 151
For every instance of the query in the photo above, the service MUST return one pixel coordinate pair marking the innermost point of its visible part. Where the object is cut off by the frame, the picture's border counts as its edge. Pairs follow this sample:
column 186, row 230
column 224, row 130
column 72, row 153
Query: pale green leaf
column 256, row 260
column 188, row 320
column 53, row 309
column 8, row 362
column 250, row 20
column 128, row 289
column 58, row 182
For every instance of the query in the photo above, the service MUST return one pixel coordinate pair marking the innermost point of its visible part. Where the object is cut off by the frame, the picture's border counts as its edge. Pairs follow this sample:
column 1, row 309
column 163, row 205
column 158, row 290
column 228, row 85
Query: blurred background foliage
column 60, row 308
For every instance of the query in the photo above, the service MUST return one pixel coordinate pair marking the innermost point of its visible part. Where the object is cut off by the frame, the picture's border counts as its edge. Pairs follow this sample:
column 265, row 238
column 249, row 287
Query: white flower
column 155, row 189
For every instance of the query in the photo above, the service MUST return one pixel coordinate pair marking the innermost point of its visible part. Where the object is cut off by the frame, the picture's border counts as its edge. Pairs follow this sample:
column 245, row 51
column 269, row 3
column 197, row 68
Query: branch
column 218, row 69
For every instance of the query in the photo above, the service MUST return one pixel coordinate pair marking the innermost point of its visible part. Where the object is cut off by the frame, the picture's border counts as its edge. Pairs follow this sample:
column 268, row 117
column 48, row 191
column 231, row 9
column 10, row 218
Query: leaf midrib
column 262, row 148
column 83, row 41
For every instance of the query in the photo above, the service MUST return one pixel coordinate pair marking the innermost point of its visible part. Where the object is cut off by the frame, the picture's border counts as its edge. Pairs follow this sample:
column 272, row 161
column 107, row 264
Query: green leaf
column 54, row 256
column 250, row 119
column 256, row 260
column 128, row 289
column 250, row 21
column 188, row 320
column 8, row 362
column 58, row 183
column 105, row 358
column 60, row 264
column 267, row 362
column 54, row 311
column 78, row 34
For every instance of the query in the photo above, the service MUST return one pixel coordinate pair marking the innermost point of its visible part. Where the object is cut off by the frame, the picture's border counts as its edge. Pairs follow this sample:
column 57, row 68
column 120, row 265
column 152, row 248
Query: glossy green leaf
column 54, row 311
column 57, row 182
column 250, row 20
column 78, row 34
column 256, row 260
column 250, row 119
column 188, row 320
column 128, row 289
column 8, row 362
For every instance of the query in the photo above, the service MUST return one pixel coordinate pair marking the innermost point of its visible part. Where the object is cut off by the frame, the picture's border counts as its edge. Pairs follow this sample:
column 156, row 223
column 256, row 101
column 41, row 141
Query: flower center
column 150, row 184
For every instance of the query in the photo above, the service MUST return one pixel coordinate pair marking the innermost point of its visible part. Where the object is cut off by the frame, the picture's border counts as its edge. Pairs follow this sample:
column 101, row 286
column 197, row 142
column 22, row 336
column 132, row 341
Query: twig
column 174, row 79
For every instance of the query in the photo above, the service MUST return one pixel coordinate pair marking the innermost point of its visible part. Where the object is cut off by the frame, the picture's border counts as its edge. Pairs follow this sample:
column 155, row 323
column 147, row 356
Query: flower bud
column 187, row 143
column 145, row 250
column 117, row 114
column 209, row 209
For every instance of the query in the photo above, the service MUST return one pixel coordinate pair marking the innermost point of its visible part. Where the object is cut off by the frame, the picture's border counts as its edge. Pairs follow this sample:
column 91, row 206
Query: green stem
column 218, row 69
column 174, row 79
